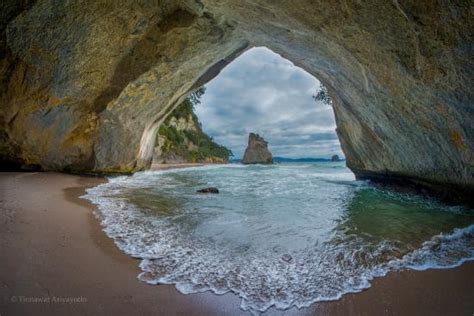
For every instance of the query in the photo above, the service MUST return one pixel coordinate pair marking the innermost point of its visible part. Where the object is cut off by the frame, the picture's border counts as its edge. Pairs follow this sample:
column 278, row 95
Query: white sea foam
column 446, row 250
column 337, row 261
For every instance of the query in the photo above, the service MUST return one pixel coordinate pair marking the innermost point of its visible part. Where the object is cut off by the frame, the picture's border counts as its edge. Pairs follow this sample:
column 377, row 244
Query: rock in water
column 209, row 190
column 335, row 158
column 257, row 151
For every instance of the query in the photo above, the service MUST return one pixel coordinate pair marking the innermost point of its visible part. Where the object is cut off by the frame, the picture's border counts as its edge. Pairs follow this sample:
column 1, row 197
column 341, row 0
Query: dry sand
column 55, row 260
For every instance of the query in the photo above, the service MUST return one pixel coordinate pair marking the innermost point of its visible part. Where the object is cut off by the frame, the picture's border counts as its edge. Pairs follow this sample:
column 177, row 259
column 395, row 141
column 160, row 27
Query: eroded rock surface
column 257, row 151
column 85, row 84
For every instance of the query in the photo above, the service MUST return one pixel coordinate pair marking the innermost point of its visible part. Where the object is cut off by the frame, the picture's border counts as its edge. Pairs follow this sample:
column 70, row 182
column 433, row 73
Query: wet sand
column 55, row 260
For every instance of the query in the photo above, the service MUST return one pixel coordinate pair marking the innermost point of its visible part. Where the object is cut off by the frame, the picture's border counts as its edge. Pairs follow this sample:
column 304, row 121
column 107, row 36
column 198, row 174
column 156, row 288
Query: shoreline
column 53, row 246
column 172, row 166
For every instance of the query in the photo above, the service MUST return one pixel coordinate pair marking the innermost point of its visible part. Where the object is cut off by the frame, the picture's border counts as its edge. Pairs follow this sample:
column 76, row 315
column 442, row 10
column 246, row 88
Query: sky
column 264, row 93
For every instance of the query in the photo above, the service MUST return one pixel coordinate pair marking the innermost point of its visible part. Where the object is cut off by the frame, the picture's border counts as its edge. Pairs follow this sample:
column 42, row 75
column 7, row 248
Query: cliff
column 85, row 86
column 257, row 151
column 180, row 139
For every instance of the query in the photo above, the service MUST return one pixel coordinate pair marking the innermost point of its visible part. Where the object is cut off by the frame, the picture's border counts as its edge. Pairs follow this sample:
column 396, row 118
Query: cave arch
column 85, row 89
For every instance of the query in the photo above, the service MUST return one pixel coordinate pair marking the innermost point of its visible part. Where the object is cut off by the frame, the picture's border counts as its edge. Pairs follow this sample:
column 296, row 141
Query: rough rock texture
column 257, row 151
column 335, row 158
column 85, row 84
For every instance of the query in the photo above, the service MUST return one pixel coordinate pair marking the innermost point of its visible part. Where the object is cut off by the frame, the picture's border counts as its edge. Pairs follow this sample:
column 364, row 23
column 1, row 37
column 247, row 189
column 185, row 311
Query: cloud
column 264, row 93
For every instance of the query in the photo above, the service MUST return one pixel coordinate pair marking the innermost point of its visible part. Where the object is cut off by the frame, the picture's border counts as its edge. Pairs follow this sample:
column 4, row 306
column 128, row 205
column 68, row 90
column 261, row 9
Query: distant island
column 284, row 159
column 305, row 159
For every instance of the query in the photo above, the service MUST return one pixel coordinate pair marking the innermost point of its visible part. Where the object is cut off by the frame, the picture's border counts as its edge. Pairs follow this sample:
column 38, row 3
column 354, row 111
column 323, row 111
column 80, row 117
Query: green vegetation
column 181, row 138
column 322, row 95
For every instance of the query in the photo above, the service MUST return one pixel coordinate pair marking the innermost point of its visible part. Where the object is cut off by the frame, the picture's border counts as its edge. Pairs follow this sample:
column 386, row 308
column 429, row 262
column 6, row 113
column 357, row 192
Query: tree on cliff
column 195, row 97
column 322, row 95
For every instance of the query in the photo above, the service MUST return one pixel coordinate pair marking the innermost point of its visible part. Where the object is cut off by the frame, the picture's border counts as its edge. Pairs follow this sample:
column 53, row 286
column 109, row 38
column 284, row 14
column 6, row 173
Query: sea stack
column 257, row 151
column 335, row 158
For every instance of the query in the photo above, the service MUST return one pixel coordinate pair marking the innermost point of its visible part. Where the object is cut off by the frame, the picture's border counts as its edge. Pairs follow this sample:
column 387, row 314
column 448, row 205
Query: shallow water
column 283, row 235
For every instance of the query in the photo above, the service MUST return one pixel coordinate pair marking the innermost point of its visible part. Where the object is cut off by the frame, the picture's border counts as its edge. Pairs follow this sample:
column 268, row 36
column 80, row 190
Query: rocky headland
column 180, row 139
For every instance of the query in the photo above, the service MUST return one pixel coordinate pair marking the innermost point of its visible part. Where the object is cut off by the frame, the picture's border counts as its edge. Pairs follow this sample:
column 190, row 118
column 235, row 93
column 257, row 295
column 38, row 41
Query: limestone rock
column 84, row 86
column 335, row 158
column 257, row 151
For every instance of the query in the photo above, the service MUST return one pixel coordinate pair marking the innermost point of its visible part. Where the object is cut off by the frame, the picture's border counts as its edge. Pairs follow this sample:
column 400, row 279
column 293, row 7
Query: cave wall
column 85, row 84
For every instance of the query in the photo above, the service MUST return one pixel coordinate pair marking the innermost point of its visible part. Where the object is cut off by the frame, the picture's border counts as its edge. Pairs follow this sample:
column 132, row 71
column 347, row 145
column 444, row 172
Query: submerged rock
column 335, row 158
column 257, row 151
column 209, row 190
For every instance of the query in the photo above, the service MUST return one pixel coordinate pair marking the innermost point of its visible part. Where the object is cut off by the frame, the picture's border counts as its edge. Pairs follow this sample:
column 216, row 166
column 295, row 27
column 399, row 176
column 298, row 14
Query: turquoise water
column 282, row 235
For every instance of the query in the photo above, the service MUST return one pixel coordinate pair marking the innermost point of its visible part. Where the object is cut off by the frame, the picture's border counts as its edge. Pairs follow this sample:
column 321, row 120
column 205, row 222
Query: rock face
column 335, row 158
column 85, row 85
column 257, row 151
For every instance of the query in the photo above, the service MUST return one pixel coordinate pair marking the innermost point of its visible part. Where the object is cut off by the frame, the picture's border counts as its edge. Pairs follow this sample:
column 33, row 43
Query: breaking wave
column 276, row 236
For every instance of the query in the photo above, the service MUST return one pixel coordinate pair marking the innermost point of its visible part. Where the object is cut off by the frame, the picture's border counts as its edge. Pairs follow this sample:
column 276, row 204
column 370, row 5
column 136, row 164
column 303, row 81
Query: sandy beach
column 57, row 261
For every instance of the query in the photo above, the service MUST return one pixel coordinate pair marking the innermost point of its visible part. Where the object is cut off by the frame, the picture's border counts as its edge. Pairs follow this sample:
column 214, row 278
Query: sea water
column 280, row 235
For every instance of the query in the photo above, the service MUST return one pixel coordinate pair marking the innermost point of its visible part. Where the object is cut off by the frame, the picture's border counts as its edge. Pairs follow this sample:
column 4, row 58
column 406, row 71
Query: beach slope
column 55, row 260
